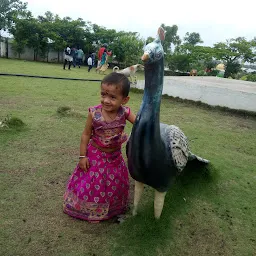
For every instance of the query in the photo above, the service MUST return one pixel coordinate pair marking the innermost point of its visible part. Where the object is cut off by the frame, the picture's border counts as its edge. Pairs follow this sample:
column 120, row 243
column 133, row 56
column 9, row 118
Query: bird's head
column 154, row 51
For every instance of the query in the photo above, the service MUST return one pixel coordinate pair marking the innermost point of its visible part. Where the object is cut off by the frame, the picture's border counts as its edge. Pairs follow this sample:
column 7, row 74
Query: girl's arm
column 131, row 118
column 85, row 138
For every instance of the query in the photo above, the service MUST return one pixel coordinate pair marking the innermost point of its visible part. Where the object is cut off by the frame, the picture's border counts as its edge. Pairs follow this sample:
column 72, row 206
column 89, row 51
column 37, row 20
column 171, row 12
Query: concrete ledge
column 234, row 94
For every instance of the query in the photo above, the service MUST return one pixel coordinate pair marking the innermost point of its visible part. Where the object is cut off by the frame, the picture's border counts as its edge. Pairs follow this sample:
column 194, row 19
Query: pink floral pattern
column 109, row 134
column 102, row 191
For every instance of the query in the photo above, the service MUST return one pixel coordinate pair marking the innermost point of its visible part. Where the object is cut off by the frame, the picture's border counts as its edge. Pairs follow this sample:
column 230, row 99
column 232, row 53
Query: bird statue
column 156, row 152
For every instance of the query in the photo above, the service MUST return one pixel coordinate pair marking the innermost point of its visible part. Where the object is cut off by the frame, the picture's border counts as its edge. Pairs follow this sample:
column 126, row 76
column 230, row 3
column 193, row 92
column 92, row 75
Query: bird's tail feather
column 192, row 157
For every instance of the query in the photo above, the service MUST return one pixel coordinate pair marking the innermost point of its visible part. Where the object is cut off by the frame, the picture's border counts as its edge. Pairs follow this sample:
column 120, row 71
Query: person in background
column 103, row 59
column 79, row 57
column 89, row 62
column 100, row 53
column 67, row 57
column 93, row 58
column 74, row 55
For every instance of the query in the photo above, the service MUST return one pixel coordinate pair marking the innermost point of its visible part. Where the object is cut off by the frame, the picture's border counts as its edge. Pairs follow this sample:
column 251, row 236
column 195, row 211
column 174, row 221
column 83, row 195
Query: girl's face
column 112, row 98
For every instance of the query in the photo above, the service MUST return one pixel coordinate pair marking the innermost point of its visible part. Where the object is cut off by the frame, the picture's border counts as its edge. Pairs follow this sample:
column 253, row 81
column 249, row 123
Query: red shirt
column 100, row 53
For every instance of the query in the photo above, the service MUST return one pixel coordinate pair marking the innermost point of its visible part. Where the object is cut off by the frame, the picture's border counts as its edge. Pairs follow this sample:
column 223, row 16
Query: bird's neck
column 154, row 74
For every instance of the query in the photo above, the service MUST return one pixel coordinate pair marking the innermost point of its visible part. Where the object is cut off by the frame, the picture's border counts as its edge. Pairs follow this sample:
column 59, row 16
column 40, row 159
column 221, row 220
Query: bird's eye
column 158, row 55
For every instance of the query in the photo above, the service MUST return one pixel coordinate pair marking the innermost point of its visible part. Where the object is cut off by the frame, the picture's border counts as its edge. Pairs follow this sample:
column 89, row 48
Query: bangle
column 82, row 157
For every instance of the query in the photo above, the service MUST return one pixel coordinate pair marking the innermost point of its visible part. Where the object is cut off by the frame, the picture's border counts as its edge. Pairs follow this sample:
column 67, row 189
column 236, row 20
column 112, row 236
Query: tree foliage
column 192, row 38
column 49, row 31
column 127, row 48
column 233, row 51
column 36, row 33
column 179, row 62
column 31, row 32
column 9, row 11
column 171, row 37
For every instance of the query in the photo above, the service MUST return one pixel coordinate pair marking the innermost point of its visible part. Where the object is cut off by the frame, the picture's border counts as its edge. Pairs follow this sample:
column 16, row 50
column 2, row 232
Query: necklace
column 106, row 114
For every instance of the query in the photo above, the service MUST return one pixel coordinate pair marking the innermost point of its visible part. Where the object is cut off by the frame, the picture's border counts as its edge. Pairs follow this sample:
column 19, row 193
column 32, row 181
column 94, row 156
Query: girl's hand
column 84, row 164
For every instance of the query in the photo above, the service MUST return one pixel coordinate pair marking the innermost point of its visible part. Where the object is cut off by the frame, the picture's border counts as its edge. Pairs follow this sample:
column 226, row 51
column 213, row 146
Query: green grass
column 50, row 69
column 208, row 213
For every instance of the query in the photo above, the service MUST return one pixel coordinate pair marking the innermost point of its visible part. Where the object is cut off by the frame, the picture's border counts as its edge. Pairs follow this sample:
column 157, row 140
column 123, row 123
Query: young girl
column 98, row 188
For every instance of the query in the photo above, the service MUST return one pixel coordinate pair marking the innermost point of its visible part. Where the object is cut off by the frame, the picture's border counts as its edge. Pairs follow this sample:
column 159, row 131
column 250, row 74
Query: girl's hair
column 119, row 80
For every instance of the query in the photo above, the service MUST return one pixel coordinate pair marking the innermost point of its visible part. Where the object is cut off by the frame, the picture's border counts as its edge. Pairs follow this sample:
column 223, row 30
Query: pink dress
column 102, row 191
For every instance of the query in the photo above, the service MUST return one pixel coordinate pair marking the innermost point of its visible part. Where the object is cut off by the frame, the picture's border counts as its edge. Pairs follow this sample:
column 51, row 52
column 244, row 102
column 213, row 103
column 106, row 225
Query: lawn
column 212, row 212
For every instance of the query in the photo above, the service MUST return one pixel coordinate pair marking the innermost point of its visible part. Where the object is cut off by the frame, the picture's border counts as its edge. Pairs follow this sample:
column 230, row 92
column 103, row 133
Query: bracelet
column 82, row 157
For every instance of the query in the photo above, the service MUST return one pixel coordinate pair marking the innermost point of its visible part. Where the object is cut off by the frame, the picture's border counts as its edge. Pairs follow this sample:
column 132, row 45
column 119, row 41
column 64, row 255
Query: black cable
column 51, row 77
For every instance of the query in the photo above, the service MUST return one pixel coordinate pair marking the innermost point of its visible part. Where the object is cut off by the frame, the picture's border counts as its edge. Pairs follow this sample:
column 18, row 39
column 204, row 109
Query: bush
column 251, row 77
column 214, row 72
column 64, row 110
column 239, row 75
column 201, row 73
column 12, row 122
column 244, row 78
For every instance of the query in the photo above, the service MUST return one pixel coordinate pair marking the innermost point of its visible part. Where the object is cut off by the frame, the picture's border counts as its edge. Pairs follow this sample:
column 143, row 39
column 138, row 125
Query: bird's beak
column 145, row 57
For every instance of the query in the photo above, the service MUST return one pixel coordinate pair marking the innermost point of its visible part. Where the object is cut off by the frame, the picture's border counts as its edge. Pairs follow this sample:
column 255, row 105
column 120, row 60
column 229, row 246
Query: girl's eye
column 113, row 97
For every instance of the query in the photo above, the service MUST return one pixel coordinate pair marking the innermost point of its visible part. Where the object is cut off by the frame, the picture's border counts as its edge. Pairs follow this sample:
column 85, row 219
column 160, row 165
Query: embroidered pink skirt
column 102, row 191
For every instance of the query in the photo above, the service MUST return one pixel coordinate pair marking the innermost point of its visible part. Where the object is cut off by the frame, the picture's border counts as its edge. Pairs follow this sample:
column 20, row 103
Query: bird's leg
column 132, row 80
column 139, row 187
column 159, row 203
column 135, row 81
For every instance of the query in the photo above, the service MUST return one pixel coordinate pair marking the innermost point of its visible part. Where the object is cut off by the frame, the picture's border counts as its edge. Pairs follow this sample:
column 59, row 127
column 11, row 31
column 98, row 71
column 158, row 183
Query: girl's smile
column 111, row 98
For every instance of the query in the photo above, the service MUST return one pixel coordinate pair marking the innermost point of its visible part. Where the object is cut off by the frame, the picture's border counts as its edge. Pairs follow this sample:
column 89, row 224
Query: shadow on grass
column 142, row 235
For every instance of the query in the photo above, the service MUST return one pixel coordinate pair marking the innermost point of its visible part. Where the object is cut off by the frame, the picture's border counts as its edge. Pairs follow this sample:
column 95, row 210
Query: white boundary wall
column 215, row 91
column 28, row 53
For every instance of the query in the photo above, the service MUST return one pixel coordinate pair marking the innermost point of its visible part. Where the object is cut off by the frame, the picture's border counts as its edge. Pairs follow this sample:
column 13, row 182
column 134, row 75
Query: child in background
column 98, row 188
column 89, row 62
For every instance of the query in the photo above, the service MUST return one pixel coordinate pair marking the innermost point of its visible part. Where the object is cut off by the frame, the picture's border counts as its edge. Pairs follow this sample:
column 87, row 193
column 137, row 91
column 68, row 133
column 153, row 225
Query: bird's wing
column 176, row 143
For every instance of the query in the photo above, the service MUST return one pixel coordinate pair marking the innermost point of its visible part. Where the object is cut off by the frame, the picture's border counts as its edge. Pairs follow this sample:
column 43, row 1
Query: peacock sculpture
column 156, row 152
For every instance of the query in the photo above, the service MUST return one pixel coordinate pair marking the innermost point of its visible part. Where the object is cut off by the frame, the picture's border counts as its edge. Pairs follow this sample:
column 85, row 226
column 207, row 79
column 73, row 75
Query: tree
column 171, row 37
column 9, row 10
column 33, row 33
column 127, row 47
column 233, row 52
column 19, row 46
column 192, row 38
column 187, row 56
column 62, row 32
column 102, row 35
column 199, row 56
column 232, row 68
column 150, row 39
column 20, row 34
column 180, row 62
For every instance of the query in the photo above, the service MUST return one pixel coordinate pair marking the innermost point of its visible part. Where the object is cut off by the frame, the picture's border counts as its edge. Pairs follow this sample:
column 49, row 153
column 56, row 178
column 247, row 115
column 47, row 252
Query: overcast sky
column 215, row 21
